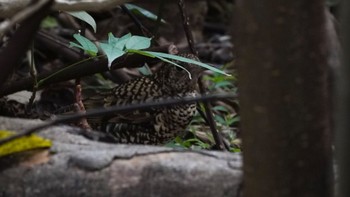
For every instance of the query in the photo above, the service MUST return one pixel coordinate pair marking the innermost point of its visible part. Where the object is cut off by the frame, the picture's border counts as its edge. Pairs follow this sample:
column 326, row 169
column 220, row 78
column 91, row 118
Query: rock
column 80, row 167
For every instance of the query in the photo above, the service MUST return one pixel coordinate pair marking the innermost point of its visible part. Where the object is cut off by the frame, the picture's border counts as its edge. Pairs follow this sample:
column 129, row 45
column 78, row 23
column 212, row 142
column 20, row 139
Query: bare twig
column 6, row 25
column 141, row 27
column 159, row 19
column 80, row 105
column 209, row 116
column 18, row 44
column 33, row 73
column 80, row 108
column 186, row 25
column 117, row 109
column 84, row 69
column 10, row 7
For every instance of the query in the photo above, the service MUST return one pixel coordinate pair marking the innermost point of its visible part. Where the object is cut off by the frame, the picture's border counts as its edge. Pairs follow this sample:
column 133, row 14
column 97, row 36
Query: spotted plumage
column 152, row 126
column 156, row 125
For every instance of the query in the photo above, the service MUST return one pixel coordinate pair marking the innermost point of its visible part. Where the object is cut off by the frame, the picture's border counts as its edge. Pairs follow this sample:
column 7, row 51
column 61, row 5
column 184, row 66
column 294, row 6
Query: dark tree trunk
column 343, row 107
column 284, row 96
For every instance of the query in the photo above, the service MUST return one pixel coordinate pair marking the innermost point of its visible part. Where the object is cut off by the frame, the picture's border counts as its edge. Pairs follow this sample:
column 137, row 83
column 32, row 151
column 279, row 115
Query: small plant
column 193, row 143
column 115, row 47
column 128, row 44
column 225, row 117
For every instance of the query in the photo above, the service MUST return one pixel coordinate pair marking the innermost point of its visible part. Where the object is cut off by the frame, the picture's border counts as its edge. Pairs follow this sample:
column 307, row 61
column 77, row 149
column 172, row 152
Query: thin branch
column 186, row 25
column 117, row 109
column 33, row 73
column 80, row 108
column 10, row 7
column 6, row 25
column 87, row 68
column 141, row 27
column 17, row 45
column 159, row 19
column 209, row 116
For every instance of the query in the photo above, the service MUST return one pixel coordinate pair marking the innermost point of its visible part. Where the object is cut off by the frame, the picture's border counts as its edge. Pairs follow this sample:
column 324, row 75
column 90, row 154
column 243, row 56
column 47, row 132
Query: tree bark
column 343, row 107
column 284, row 95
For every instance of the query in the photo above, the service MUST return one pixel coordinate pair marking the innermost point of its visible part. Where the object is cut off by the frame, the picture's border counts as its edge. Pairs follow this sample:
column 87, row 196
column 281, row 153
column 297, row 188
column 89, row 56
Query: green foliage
column 235, row 150
column 113, row 49
column 85, row 44
column 193, row 144
column 116, row 47
column 138, row 43
column 84, row 16
column 49, row 22
column 225, row 118
column 183, row 59
column 153, row 55
column 221, row 81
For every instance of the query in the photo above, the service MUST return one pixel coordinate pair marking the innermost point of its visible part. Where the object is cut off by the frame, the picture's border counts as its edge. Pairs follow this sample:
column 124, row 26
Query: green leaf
column 22, row 144
column 118, row 42
column 112, row 52
column 183, row 59
column 122, row 41
column 235, row 119
column 223, row 84
column 145, row 70
column 138, row 42
column 146, row 53
column 220, row 108
column 170, row 62
column 49, row 22
column 84, row 16
column 85, row 44
column 235, row 150
column 141, row 53
column 198, row 142
column 141, row 11
column 220, row 119
column 112, row 40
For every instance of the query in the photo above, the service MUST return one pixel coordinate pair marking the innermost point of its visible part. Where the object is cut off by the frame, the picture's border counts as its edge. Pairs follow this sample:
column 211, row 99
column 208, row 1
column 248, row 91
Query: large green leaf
column 146, row 53
column 85, row 44
column 112, row 52
column 122, row 41
column 138, row 42
column 113, row 40
column 84, row 16
column 183, row 59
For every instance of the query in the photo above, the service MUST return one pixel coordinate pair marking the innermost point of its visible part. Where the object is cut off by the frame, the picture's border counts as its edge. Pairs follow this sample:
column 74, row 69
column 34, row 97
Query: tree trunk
column 284, row 96
column 343, row 107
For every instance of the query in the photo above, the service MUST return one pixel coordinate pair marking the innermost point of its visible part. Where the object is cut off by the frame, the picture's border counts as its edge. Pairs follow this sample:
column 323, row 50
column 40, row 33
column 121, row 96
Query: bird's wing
column 134, row 92
column 113, row 98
